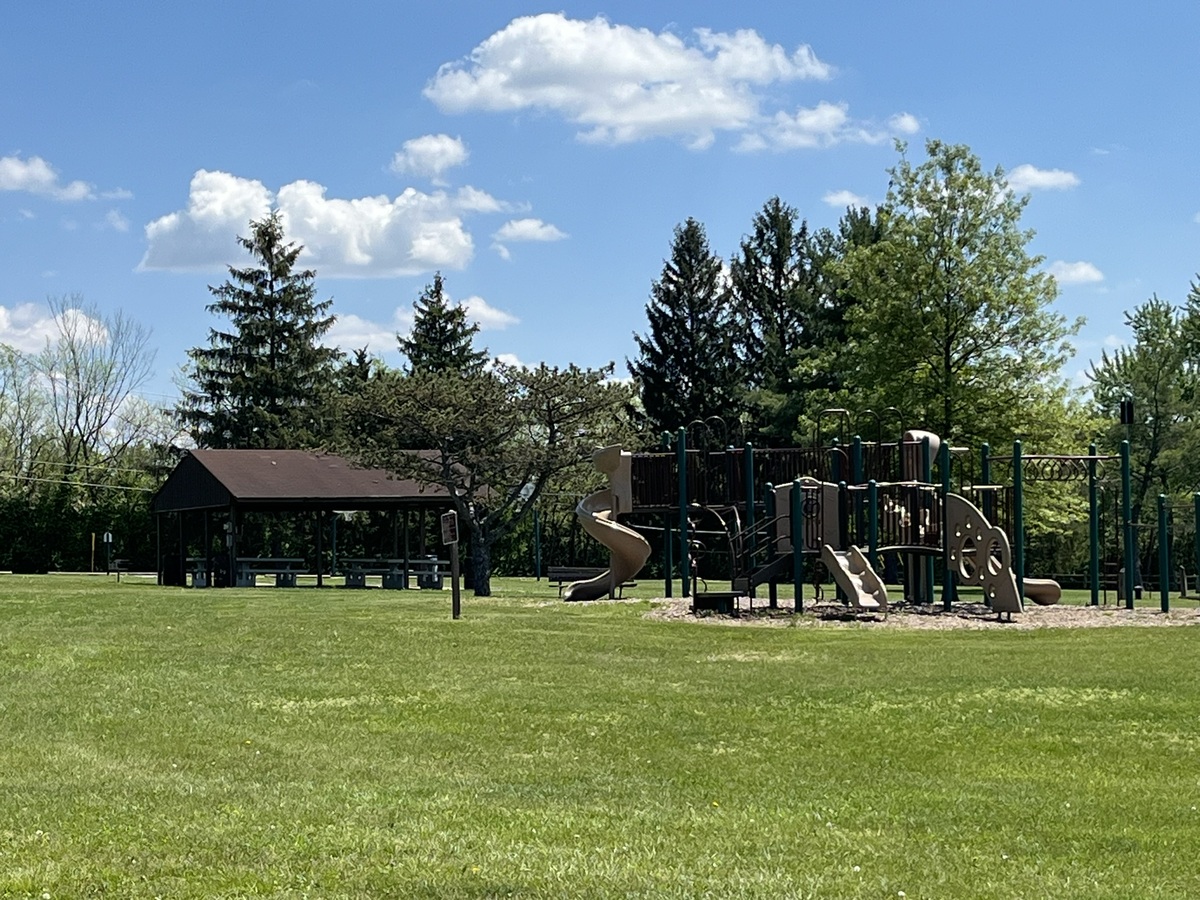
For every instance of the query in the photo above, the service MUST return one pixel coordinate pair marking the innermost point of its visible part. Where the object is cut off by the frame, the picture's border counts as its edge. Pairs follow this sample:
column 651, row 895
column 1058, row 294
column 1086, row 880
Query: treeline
column 80, row 450
column 929, row 309
column 930, row 304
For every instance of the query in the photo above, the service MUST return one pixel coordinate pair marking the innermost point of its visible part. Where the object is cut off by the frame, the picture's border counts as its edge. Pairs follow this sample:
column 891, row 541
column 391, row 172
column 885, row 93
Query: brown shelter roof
column 285, row 479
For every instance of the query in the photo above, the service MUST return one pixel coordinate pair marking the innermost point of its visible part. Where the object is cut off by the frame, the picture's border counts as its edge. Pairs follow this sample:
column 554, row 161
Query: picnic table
column 284, row 568
column 198, row 566
column 394, row 573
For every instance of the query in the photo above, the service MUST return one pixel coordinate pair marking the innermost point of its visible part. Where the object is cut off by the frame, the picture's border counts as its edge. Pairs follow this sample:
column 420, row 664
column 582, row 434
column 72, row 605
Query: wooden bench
column 284, row 568
column 564, row 575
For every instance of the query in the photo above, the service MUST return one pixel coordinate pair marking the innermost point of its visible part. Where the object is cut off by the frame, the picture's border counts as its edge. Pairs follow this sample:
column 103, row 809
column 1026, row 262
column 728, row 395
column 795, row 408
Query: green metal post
column 1164, row 555
column 873, row 523
column 684, row 551
column 856, row 478
column 985, row 475
column 843, row 527
column 1196, row 503
column 1127, row 524
column 772, row 544
column 748, row 483
column 927, row 477
column 947, row 572
column 1093, row 526
column 1018, row 548
column 668, row 535
column 797, row 513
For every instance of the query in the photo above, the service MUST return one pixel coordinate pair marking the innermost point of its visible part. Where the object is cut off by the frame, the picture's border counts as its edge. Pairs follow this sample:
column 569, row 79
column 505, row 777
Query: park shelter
column 209, row 491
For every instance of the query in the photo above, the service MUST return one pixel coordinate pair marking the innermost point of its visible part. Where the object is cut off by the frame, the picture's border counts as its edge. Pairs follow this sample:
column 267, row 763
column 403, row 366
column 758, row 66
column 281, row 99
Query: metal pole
column 537, row 546
column 1127, row 517
column 856, row 478
column 455, row 597
column 797, row 514
column 668, row 537
column 1018, row 549
column 1196, row 502
column 1093, row 526
column 873, row 523
column 927, row 477
column 772, row 587
column 985, row 474
column 947, row 573
column 1164, row 555
column 684, row 554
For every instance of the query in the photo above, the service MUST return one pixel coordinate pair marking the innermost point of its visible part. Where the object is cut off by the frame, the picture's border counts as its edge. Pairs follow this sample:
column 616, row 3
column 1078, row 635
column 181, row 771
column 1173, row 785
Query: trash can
column 429, row 578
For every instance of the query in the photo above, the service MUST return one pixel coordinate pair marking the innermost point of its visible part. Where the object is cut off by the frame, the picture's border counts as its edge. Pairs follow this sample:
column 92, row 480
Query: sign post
column 450, row 539
column 107, row 552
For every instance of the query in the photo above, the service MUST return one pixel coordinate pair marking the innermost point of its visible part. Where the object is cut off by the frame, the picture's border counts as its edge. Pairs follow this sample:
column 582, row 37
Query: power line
column 75, row 484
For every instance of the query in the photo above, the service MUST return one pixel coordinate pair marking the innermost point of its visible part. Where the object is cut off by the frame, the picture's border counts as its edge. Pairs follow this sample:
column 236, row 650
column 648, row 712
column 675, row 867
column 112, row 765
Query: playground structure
column 871, row 514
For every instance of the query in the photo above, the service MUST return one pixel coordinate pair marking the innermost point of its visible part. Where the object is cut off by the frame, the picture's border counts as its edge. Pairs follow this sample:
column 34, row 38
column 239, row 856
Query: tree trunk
column 481, row 565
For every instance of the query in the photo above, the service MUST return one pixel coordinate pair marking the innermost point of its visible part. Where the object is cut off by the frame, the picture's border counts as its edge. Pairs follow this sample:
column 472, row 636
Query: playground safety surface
column 929, row 617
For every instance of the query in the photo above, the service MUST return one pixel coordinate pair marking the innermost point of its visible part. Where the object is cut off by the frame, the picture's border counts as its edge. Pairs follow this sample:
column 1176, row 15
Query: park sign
column 450, row 527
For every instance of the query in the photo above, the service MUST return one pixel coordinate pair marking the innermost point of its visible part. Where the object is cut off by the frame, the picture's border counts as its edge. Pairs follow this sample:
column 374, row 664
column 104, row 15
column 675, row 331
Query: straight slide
column 854, row 575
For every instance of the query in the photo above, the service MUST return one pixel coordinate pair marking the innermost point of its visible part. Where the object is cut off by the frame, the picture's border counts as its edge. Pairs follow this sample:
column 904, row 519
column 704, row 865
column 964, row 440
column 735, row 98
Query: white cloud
column 529, row 230
column 36, row 176
column 622, row 84
column 843, row 199
column 27, row 327
column 430, row 156
column 1075, row 272
column 414, row 232
column 510, row 359
column 1114, row 341
column 351, row 332
column 824, row 125
column 524, row 230
column 1026, row 178
column 114, row 220
column 486, row 316
column 904, row 123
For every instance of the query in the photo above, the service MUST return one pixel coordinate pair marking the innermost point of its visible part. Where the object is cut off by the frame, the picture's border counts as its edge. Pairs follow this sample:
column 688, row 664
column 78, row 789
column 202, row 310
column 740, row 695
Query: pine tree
column 771, row 281
column 685, row 368
column 259, row 383
column 442, row 339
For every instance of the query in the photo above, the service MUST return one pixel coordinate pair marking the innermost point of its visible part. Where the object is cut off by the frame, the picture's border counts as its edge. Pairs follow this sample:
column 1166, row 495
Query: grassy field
column 160, row 742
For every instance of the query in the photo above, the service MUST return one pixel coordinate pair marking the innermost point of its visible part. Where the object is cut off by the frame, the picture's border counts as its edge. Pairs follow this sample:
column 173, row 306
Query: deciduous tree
column 954, row 323
column 493, row 439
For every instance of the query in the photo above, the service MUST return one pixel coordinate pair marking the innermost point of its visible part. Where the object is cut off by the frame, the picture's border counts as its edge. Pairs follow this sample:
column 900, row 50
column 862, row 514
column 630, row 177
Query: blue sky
column 541, row 156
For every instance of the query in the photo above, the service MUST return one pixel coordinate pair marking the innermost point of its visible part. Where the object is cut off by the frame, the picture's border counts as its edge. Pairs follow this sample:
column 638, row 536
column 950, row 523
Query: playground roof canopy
column 274, row 480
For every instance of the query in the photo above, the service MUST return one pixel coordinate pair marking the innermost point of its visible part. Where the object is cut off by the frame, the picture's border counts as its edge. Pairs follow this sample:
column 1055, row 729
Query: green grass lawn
column 161, row 742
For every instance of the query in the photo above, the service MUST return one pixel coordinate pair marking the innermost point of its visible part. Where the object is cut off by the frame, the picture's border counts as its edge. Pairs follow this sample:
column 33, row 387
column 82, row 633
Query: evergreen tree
column 685, row 368
column 775, row 282
column 442, row 338
column 259, row 383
